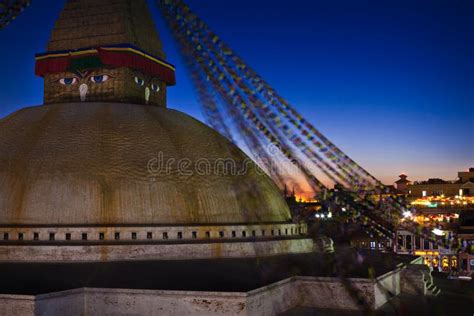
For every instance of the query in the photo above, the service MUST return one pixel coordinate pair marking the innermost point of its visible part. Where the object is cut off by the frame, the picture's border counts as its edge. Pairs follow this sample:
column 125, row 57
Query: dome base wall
column 141, row 252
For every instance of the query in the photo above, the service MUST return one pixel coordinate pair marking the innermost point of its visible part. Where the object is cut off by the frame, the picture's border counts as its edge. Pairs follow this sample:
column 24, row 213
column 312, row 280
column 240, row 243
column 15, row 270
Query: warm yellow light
column 454, row 262
column 427, row 261
column 445, row 263
column 424, row 253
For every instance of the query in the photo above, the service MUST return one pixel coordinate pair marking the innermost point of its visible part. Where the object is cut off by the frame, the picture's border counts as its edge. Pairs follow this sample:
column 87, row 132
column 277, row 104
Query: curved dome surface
column 89, row 164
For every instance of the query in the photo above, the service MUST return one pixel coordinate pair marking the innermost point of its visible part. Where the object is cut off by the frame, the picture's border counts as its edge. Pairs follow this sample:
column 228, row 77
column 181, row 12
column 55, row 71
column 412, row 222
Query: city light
column 438, row 232
column 441, row 201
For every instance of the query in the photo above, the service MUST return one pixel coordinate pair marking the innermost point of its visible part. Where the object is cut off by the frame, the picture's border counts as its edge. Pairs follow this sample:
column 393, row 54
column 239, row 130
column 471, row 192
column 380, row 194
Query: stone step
column 432, row 289
column 435, row 292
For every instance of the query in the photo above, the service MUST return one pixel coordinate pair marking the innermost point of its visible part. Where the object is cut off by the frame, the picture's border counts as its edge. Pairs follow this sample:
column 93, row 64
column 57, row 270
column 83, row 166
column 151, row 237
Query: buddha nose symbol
column 83, row 91
column 147, row 94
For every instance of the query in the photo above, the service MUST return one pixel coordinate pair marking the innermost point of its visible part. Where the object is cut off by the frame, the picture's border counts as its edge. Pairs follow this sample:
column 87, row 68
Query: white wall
column 273, row 299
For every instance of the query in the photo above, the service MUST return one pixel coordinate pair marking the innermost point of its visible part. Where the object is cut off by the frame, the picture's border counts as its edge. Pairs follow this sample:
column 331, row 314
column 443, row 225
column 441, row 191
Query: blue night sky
column 390, row 82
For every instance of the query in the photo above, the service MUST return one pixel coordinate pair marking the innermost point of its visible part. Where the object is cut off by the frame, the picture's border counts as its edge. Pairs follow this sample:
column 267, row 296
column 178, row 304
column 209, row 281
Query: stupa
column 104, row 171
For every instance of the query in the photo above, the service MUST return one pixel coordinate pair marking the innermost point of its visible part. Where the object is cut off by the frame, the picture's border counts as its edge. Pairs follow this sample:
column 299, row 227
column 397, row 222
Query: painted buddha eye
column 139, row 81
column 68, row 81
column 155, row 87
column 99, row 78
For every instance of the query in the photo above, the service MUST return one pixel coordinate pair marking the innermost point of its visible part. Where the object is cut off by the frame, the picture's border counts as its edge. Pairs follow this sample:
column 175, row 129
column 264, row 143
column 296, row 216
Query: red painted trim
column 125, row 59
column 112, row 59
column 55, row 65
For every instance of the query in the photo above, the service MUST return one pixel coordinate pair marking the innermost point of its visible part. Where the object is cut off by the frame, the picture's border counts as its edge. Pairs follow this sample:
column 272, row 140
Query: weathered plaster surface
column 315, row 292
column 17, row 305
column 125, row 252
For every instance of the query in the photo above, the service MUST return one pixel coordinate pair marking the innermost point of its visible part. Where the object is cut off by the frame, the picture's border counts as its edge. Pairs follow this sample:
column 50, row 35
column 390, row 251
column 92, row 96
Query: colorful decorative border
column 123, row 55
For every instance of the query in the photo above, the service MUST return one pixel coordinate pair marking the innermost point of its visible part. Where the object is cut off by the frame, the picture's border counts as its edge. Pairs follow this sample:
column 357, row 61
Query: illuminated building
column 402, row 183
column 301, row 208
column 435, row 256
column 464, row 186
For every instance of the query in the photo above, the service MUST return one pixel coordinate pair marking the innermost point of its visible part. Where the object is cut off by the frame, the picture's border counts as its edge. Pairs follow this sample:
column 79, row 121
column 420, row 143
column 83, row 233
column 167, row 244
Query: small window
column 165, row 235
column 273, row 232
column 244, row 234
column 426, row 244
column 234, row 234
column 5, row 236
column 417, row 242
column 84, row 236
column 263, row 232
column 20, row 236
column 286, row 231
column 279, row 232
column 149, row 235
column 408, row 242
column 101, row 236
column 195, row 235
column 208, row 234
column 134, row 236
column 35, row 236
column 221, row 234
column 68, row 236
column 180, row 235
column 254, row 233
column 400, row 242
column 52, row 236
column 117, row 236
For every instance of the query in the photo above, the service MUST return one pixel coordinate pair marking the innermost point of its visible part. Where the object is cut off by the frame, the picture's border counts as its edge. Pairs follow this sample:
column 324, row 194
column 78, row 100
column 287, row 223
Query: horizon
column 398, row 74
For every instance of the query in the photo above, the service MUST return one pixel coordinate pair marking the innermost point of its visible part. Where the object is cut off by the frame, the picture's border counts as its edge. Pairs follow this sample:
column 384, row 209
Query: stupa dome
column 116, row 164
